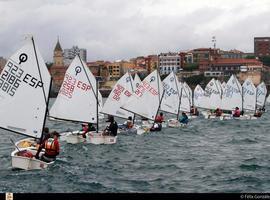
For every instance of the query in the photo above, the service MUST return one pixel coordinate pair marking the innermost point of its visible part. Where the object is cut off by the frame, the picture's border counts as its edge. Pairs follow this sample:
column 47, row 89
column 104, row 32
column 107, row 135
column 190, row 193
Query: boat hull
column 174, row 123
column 27, row 163
column 98, row 138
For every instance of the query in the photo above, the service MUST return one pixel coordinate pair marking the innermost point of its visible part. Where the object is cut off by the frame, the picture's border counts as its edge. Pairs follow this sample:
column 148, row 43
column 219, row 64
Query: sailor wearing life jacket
column 52, row 148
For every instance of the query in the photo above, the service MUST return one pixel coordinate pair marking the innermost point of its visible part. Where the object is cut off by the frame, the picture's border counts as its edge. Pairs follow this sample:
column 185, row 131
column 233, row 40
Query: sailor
column 194, row 111
column 128, row 124
column 52, row 148
column 184, row 118
column 112, row 128
column 218, row 112
column 237, row 112
column 156, row 127
column 258, row 113
column 87, row 128
column 160, row 118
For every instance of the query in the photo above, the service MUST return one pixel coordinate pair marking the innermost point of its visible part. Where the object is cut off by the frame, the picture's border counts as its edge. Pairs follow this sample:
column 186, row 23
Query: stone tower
column 58, row 58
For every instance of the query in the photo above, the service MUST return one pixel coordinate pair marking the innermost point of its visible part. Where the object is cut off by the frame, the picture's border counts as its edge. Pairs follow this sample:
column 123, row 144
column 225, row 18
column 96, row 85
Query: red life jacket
column 159, row 119
column 51, row 147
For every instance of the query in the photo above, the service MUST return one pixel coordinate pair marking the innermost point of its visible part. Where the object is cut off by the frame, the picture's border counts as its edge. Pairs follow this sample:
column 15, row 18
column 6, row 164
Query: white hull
column 27, row 163
column 74, row 137
column 98, row 138
column 174, row 123
column 128, row 131
column 192, row 116
column 242, row 117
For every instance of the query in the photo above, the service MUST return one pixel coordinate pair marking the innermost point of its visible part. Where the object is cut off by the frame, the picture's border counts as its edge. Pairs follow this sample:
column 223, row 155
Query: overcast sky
column 123, row 29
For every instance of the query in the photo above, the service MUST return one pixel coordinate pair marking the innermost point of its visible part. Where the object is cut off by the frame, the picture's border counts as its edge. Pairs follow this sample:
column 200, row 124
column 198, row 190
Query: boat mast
column 46, row 100
column 180, row 97
column 97, row 102
column 130, row 77
column 96, row 94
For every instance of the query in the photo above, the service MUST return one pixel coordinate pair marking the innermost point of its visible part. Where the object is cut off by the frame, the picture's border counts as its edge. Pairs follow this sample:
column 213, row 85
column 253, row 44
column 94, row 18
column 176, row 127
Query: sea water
column 206, row 156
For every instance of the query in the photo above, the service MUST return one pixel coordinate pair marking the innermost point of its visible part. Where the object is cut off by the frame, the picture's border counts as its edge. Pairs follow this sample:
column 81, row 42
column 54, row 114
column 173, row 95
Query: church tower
column 58, row 58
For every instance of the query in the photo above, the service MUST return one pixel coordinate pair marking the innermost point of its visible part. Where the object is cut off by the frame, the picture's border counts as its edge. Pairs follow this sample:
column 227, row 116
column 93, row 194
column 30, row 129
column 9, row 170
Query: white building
column 69, row 54
column 169, row 62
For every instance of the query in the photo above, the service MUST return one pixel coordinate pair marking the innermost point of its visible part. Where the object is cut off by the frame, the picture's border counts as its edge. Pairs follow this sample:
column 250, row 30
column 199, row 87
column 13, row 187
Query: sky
column 123, row 29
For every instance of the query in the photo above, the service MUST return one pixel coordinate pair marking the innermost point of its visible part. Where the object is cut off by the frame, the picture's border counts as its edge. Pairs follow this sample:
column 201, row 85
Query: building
column 57, row 70
column 262, row 46
column 228, row 66
column 99, row 69
column 204, row 54
column 169, row 62
column 114, row 69
column 231, row 54
column 151, row 63
column 69, row 54
column 58, row 59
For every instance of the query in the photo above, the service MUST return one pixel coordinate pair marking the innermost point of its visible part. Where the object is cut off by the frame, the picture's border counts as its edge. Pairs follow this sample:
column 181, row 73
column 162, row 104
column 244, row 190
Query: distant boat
column 146, row 100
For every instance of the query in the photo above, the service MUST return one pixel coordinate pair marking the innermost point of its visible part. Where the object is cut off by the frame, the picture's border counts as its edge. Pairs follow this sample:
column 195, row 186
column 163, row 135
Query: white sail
column 188, row 92
column 261, row 94
column 232, row 96
column 146, row 99
column 185, row 97
column 171, row 98
column 118, row 96
column 212, row 96
column 249, row 95
column 219, row 86
column 198, row 96
column 223, row 86
column 24, row 90
column 136, row 82
column 76, row 100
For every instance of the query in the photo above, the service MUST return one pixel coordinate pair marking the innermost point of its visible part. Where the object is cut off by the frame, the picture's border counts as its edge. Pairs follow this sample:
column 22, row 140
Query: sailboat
column 211, row 99
column 25, row 78
column 120, row 93
column 232, row 97
column 146, row 99
column 249, row 99
column 78, row 88
column 198, row 96
column 261, row 95
column 171, row 99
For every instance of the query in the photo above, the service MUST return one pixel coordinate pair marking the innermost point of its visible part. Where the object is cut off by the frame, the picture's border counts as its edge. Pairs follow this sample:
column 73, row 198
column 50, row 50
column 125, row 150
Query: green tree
column 191, row 66
column 265, row 60
column 250, row 57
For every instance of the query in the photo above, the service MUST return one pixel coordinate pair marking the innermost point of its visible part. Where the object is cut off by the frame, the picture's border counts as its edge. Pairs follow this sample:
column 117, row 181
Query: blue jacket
column 183, row 120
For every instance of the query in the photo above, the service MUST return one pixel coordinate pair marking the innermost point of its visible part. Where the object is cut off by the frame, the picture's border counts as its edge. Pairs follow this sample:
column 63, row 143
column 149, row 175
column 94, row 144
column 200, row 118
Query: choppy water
column 207, row 156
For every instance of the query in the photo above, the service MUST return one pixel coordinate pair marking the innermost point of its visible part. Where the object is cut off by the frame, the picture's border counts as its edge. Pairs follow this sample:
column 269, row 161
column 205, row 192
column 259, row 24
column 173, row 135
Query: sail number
column 169, row 90
column 69, row 85
column 118, row 91
column 145, row 86
column 12, row 76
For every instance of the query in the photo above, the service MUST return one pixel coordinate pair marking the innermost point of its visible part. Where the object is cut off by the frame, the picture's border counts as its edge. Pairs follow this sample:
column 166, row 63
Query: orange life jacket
column 50, row 147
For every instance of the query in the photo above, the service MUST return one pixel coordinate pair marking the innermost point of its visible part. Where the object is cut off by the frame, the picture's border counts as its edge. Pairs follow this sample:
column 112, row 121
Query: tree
column 265, row 60
column 250, row 57
column 191, row 66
